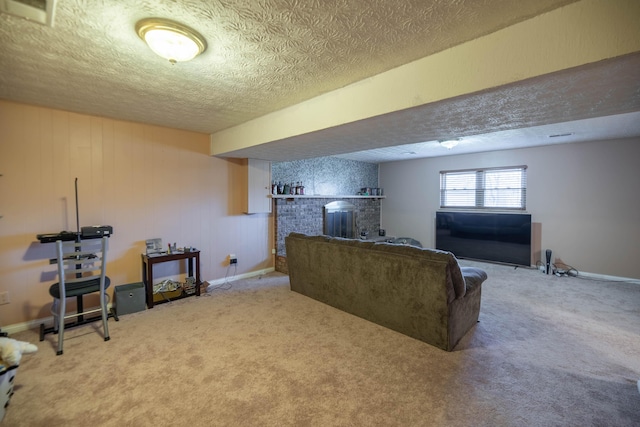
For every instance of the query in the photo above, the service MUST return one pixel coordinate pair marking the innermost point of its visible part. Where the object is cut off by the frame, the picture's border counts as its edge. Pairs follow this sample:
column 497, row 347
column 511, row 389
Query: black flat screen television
column 497, row 237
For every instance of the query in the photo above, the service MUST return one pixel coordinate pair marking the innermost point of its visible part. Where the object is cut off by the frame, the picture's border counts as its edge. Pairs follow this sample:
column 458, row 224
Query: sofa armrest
column 473, row 277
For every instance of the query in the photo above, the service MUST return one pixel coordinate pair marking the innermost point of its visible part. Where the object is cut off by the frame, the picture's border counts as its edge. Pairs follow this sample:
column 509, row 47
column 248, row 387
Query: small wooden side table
column 148, row 261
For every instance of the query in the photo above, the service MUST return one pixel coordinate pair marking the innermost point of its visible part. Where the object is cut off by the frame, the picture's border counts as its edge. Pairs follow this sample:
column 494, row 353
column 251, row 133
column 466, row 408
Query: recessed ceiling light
column 171, row 40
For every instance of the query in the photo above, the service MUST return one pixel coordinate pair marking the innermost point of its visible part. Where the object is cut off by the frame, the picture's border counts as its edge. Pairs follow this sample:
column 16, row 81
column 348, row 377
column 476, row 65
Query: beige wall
column 584, row 195
column 145, row 181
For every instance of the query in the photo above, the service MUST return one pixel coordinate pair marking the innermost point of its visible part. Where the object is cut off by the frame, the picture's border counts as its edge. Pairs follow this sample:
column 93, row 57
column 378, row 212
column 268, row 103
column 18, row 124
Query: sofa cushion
column 457, row 281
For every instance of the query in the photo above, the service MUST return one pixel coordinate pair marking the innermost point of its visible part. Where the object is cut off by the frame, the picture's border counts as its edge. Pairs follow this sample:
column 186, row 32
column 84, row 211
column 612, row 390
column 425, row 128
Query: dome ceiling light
column 171, row 40
column 450, row 143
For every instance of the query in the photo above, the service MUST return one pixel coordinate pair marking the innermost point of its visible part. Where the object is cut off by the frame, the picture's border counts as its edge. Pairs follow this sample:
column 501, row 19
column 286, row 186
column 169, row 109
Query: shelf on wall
column 315, row 196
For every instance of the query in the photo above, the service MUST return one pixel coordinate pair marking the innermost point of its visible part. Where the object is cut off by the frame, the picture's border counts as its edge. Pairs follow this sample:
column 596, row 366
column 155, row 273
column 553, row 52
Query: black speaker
column 548, row 260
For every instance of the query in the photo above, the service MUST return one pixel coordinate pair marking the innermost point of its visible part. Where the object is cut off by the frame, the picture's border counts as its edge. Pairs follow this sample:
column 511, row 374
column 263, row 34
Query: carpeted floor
column 548, row 351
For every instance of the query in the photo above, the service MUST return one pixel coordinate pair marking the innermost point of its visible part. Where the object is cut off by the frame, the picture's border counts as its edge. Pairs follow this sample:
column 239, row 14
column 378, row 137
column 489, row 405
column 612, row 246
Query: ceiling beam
column 566, row 38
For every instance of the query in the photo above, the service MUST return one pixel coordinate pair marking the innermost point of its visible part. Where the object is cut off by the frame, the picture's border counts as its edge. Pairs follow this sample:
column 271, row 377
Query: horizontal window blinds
column 495, row 188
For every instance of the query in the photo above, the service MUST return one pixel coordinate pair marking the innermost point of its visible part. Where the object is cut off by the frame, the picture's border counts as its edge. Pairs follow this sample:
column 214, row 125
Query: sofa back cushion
column 455, row 283
column 455, row 280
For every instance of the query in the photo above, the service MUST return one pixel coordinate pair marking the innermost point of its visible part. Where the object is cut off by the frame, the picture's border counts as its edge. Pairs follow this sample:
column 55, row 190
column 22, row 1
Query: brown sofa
column 422, row 293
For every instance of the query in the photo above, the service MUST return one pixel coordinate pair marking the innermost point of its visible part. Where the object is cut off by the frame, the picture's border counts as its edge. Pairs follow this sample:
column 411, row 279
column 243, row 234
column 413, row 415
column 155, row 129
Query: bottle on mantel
column 301, row 189
column 286, row 189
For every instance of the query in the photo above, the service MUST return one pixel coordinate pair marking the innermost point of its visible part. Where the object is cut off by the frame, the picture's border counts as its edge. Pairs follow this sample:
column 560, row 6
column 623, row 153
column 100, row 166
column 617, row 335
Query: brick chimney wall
column 306, row 215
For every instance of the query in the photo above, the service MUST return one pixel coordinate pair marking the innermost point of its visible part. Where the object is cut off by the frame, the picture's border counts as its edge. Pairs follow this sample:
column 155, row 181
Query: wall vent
column 40, row 11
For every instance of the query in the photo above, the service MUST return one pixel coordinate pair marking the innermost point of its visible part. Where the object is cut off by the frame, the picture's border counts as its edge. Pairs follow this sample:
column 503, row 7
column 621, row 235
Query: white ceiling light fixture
column 450, row 143
column 171, row 40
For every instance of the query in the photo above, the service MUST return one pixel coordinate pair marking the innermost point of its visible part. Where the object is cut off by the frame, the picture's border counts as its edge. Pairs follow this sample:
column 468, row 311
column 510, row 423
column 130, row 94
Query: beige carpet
column 548, row 351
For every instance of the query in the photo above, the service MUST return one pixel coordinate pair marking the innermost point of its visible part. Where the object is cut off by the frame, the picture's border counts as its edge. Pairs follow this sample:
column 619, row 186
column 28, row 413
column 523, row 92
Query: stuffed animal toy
column 11, row 352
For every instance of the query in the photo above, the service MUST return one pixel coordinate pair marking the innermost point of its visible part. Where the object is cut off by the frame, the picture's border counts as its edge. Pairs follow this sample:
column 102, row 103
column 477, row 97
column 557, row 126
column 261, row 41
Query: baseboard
column 596, row 276
column 32, row 324
column 241, row 276
column 606, row 278
column 581, row 274
column 35, row 324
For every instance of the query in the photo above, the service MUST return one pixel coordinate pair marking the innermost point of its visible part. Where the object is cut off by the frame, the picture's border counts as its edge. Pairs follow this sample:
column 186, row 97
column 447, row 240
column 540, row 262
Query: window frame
column 479, row 190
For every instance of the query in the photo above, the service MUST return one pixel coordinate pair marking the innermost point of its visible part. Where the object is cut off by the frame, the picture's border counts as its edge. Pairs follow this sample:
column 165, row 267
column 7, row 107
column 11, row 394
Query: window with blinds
column 492, row 188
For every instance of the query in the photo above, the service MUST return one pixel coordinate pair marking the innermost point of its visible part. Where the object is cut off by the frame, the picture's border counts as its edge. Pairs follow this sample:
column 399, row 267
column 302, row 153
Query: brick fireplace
column 306, row 215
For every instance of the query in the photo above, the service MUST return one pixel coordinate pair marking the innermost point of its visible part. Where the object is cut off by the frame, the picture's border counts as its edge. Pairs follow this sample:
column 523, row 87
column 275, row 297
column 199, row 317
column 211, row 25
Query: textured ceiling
column 263, row 55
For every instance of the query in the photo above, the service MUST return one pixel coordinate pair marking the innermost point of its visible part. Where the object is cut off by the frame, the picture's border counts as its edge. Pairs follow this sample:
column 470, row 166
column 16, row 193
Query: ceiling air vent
column 41, row 11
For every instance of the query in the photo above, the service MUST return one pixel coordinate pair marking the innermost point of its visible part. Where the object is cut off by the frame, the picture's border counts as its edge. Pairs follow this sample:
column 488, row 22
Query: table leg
column 147, row 279
column 198, row 274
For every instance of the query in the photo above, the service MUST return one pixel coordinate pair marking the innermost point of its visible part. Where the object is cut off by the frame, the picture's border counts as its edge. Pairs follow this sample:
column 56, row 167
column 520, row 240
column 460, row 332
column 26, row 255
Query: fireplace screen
column 340, row 219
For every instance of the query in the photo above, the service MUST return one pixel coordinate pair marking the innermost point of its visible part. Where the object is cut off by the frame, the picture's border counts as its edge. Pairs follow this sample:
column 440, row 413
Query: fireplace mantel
column 319, row 196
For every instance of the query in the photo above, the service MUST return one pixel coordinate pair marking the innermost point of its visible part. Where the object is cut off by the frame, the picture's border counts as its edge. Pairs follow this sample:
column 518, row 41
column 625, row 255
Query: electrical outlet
column 233, row 259
column 4, row 297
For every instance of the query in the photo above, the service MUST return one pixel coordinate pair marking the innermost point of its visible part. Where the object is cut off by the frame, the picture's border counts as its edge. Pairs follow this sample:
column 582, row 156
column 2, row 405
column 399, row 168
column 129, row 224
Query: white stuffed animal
column 11, row 352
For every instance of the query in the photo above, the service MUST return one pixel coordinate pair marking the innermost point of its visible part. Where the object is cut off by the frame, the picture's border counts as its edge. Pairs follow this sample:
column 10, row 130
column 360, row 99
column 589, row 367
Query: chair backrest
column 82, row 266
